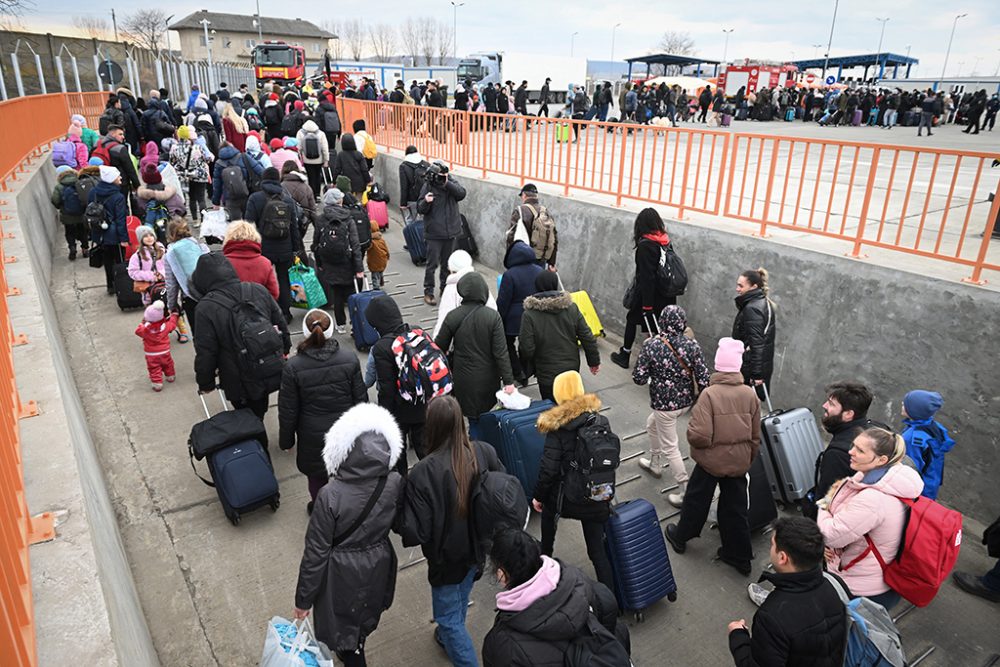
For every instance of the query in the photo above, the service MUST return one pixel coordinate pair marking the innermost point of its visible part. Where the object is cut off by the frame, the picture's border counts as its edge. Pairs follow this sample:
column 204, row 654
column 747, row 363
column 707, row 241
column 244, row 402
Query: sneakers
column 430, row 300
column 157, row 386
column 677, row 499
column 671, row 534
column 170, row 378
column 341, row 329
column 970, row 583
column 652, row 465
column 621, row 358
column 757, row 593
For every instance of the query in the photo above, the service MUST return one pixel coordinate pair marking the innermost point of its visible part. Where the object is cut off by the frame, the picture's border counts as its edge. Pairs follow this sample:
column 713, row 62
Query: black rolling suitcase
column 762, row 508
column 127, row 297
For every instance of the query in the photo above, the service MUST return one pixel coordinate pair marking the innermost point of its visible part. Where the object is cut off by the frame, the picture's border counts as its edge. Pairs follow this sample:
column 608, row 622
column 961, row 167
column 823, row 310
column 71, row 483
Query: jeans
column 734, row 506
column 926, row 120
column 377, row 279
column 889, row 599
column 890, row 118
column 992, row 578
column 451, row 604
column 284, row 287
column 593, row 536
column 661, row 425
column 438, row 252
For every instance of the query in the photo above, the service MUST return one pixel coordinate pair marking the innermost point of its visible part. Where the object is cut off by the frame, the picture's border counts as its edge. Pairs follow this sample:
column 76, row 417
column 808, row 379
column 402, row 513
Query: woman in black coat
column 318, row 385
column 351, row 162
column 560, row 426
column 337, row 251
column 348, row 569
column 755, row 326
column 649, row 236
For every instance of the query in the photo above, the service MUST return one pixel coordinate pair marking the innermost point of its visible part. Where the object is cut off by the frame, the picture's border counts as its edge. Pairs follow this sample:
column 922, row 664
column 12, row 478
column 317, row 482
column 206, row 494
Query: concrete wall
column 837, row 318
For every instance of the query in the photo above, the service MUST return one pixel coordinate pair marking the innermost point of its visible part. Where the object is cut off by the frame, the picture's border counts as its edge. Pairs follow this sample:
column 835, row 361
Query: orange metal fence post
column 863, row 219
column 775, row 147
column 991, row 222
column 684, row 174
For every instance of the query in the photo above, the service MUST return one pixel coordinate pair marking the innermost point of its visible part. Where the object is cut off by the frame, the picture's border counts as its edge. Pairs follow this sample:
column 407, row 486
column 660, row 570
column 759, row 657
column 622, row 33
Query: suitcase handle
column 222, row 397
column 364, row 284
column 767, row 397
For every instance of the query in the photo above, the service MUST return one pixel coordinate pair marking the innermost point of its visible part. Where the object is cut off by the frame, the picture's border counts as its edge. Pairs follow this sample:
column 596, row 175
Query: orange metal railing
column 28, row 123
column 921, row 201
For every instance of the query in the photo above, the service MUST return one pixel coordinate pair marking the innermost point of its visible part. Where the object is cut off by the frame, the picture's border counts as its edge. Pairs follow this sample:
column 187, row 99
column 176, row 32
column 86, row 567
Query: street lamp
column 454, row 29
column 829, row 43
column 725, row 49
column 950, row 40
column 572, row 38
column 260, row 31
column 816, row 50
column 878, row 53
column 613, row 41
column 908, row 46
column 166, row 21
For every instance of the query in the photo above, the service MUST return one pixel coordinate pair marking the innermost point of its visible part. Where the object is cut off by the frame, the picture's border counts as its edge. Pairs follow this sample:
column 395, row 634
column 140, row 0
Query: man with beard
column 845, row 414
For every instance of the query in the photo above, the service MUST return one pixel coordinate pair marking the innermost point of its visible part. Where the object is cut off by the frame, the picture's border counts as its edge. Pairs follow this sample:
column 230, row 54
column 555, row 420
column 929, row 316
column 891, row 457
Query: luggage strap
column 191, row 458
column 339, row 539
column 871, row 548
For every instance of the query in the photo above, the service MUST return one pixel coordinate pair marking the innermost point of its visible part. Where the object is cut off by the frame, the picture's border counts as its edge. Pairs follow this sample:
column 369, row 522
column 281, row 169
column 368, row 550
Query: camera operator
column 438, row 203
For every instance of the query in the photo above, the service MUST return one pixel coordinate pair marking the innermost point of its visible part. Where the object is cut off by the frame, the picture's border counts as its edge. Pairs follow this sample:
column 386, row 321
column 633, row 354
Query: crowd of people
column 275, row 170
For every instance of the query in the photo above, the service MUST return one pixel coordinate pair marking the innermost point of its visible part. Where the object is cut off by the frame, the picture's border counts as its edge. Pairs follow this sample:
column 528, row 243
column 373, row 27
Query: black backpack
column 253, row 121
column 312, row 148
column 289, row 125
column 591, row 474
column 253, row 179
column 331, row 122
column 84, row 184
column 234, row 185
column 377, row 193
column 72, row 204
column 596, row 647
column 96, row 217
column 259, row 345
column 272, row 115
column 671, row 275
column 360, row 215
column 497, row 500
column 276, row 218
column 333, row 245
column 417, row 181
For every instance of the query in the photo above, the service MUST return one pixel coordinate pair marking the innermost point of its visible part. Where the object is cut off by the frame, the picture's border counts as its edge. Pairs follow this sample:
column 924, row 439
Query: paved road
column 208, row 588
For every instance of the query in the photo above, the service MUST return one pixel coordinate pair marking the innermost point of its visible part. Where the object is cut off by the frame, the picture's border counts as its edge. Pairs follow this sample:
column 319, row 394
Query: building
column 233, row 36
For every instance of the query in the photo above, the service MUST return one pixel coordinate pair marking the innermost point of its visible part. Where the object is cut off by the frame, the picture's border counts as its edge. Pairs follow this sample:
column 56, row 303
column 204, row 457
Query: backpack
column 234, row 185
column 96, row 217
column 253, row 178
column 543, row 232
column 106, row 120
column 417, row 180
column 364, row 225
column 932, row 538
column 259, row 345
column 497, row 500
column 276, row 219
column 84, row 184
column 872, row 637
column 333, row 245
column 253, row 122
column 369, row 150
column 591, row 474
column 102, row 151
column 157, row 214
column 289, row 125
column 671, row 275
column 311, row 149
column 331, row 122
column 72, row 202
column 377, row 193
column 423, row 368
column 272, row 115
column 64, row 153
column 596, row 647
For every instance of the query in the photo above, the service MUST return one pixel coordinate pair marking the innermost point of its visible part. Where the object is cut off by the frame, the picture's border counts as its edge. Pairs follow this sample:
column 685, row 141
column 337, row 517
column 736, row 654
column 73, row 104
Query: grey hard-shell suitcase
column 790, row 444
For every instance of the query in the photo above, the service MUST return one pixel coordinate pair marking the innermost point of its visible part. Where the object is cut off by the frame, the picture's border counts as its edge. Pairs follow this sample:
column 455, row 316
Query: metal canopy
column 667, row 59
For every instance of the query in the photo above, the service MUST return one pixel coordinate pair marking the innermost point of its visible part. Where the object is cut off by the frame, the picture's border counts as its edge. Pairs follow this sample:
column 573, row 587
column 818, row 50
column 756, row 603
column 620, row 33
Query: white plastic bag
column 213, row 223
column 513, row 401
column 291, row 644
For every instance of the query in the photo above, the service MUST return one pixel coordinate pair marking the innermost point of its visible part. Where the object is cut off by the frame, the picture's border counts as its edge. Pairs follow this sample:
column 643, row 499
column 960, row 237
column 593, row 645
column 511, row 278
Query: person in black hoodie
column 411, row 179
column 351, row 162
column 755, row 326
column 217, row 287
column 338, row 253
column 438, row 203
column 803, row 621
column 282, row 249
column 318, row 384
column 133, row 128
column 328, row 119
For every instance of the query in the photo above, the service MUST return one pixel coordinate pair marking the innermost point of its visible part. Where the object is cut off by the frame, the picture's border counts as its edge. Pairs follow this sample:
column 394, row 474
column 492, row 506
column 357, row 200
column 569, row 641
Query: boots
column 621, row 357
column 677, row 499
column 653, row 465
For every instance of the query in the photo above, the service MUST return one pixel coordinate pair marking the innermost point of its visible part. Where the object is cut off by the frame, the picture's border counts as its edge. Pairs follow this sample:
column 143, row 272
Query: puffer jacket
column 115, row 212
column 351, row 163
column 318, row 385
column 480, row 360
column 518, row 282
column 755, row 325
column 857, row 508
column 228, row 157
column 276, row 250
column 349, row 585
column 296, row 184
column 383, row 314
column 670, row 385
column 442, row 219
column 191, row 161
column 724, row 430
column 552, row 331
column 560, row 425
column 343, row 272
column 927, row 441
column 163, row 193
column 647, row 261
column 250, row 265
column 378, row 252
column 67, row 179
column 144, row 266
column 309, row 128
column 450, row 300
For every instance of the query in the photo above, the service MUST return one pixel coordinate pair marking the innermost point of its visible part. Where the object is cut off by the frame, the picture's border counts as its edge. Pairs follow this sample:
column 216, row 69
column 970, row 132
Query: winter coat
column 450, row 300
column 296, row 184
column 164, row 194
column 228, row 157
column 524, row 214
column 378, row 251
column 344, row 271
column 383, row 314
column 283, row 155
column 318, row 385
column 115, row 212
column 142, row 266
column 234, row 135
column 133, row 129
column 802, row 623
column 309, row 128
column 333, row 127
column 647, row 262
column 217, row 288
column 724, row 429
column 250, row 265
column 560, row 425
column 207, row 131
column 179, row 263
column 410, row 178
column 122, row 159
column 518, row 282
column 670, row 385
column 276, row 250
column 927, row 441
column 155, row 121
column 156, row 335
column 856, row 509
column 191, row 161
column 351, row 162
column 67, row 179
column 552, row 332
column 348, row 586
column 429, row 514
column 441, row 217
column 480, row 356
column 834, row 462
column 755, row 325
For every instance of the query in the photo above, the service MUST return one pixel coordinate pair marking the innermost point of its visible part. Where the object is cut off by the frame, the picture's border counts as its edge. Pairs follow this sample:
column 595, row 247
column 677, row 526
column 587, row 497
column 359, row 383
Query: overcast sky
column 767, row 29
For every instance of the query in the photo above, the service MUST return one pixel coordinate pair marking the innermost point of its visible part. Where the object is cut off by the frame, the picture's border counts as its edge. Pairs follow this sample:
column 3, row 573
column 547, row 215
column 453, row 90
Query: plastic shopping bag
column 291, row 644
column 305, row 287
column 213, row 223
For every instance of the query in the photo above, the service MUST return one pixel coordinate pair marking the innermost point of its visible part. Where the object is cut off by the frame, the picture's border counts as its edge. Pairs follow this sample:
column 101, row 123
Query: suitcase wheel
column 640, row 617
column 275, row 504
column 672, row 596
column 235, row 519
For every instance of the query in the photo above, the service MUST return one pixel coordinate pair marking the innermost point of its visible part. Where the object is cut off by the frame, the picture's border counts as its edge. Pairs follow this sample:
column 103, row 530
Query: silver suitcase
column 790, row 445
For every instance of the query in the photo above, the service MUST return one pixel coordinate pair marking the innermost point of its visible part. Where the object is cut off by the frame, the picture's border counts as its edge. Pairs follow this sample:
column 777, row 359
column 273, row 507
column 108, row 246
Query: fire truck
column 278, row 62
column 756, row 75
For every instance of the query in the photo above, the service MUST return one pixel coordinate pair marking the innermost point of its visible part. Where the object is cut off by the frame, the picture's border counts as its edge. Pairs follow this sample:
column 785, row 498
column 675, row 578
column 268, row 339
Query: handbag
column 631, row 296
column 96, row 258
column 695, row 389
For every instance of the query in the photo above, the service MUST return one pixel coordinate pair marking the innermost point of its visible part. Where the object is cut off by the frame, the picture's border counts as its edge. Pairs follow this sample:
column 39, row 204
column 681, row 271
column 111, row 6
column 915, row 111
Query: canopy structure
column 878, row 60
column 667, row 59
column 688, row 83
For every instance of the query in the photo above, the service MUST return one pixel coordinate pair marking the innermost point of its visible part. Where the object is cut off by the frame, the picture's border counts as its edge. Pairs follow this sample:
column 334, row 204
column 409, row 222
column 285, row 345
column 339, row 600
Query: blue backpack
column 157, row 214
column 872, row 637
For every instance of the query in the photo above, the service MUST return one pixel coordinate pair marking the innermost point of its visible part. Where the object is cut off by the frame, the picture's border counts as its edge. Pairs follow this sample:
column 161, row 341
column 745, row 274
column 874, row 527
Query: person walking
column 241, row 246
column 755, row 326
column 411, row 180
column 438, row 204
column 927, row 108
column 347, row 574
column 516, row 283
column 704, row 102
column 230, row 182
column 459, row 264
column 315, row 154
column 543, row 99
column 542, row 238
column 674, row 368
column 338, row 254
column 191, row 162
column 724, row 434
column 436, row 516
column 112, row 234
column 295, row 182
column 351, row 162
column 183, row 253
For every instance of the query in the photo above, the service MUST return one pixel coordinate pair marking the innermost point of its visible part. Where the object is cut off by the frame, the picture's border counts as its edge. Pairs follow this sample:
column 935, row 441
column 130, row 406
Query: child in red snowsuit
column 155, row 333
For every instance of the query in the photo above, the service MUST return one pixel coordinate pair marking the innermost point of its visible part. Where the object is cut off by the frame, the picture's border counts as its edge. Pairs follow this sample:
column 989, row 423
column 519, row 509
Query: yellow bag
column 586, row 306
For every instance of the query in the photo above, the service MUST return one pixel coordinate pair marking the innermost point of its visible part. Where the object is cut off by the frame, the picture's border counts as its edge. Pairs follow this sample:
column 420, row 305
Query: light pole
column 950, row 40
column 829, row 43
column 996, row 72
column 816, row 50
column 454, row 28
column 975, row 68
column 878, row 53
column 208, row 45
column 613, row 41
column 572, row 38
column 167, row 32
column 725, row 49
column 260, row 30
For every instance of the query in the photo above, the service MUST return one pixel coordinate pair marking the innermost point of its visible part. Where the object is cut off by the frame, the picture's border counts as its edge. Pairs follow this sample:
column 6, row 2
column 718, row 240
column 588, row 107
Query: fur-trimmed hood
column 146, row 193
column 548, row 302
column 561, row 415
column 364, row 442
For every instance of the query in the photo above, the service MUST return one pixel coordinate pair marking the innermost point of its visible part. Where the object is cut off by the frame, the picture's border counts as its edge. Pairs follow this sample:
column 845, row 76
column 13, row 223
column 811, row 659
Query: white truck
column 496, row 67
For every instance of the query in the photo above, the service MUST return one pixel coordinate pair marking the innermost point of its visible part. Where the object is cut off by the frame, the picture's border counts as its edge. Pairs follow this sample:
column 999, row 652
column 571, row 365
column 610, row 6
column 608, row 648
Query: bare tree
column 675, row 43
column 383, row 40
column 145, row 27
column 409, row 35
column 95, row 27
column 15, row 7
column 445, row 41
column 352, row 33
column 425, row 33
column 336, row 45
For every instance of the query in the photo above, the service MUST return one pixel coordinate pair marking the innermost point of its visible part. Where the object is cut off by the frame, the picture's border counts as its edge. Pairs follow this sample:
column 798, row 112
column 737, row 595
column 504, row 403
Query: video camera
column 436, row 173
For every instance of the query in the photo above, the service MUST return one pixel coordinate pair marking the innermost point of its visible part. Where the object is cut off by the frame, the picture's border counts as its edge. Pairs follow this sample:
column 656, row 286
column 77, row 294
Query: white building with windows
column 233, row 36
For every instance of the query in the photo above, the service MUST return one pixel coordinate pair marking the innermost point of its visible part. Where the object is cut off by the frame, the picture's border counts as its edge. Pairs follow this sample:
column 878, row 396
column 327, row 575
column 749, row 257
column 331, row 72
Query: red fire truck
column 278, row 62
column 755, row 76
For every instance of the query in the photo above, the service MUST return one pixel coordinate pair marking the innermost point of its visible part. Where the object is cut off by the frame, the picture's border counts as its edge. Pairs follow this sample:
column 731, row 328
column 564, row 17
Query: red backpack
column 932, row 538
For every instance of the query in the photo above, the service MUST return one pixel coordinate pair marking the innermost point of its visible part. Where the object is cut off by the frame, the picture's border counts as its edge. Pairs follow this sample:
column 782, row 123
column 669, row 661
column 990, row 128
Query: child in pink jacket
column 154, row 330
column 147, row 263
column 75, row 135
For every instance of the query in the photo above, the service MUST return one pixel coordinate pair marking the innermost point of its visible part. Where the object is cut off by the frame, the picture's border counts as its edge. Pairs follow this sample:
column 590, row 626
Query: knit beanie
column 276, row 144
column 291, row 143
column 150, row 175
column 344, row 183
column 299, row 105
column 459, row 261
column 333, row 197
column 154, row 312
column 75, row 130
column 729, row 356
column 183, row 133
column 78, row 119
column 921, row 405
column 567, row 386
column 109, row 174
column 95, row 162
column 142, row 231
column 64, row 167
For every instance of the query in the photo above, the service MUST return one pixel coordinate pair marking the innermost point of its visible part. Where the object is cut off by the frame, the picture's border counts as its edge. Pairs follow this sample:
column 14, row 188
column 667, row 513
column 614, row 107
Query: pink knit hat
column 154, row 312
column 75, row 130
column 729, row 356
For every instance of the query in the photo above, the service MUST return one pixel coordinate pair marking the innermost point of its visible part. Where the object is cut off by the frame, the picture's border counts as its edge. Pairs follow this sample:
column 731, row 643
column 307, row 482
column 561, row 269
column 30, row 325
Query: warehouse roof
column 245, row 23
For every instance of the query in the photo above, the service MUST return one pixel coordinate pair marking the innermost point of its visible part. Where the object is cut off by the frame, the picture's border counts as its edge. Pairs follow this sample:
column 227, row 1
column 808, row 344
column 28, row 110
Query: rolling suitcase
column 727, row 120
column 413, row 234
column 790, row 445
column 128, row 299
column 363, row 333
column 562, row 133
column 789, row 115
column 742, row 114
column 379, row 212
column 517, row 441
column 234, row 443
column 638, row 554
column 132, row 223
column 856, row 119
column 762, row 508
column 586, row 306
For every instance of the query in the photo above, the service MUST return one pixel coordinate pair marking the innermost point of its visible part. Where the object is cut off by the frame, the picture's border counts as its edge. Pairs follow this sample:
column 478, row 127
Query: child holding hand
column 155, row 331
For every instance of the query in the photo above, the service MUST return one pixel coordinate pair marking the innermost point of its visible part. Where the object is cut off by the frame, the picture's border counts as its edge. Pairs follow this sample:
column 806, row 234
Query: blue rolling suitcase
column 638, row 554
column 413, row 234
column 363, row 333
column 517, row 441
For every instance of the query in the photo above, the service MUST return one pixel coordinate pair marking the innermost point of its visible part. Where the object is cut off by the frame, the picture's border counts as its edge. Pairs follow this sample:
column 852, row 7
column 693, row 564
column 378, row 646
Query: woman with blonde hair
column 862, row 515
column 241, row 246
column 235, row 128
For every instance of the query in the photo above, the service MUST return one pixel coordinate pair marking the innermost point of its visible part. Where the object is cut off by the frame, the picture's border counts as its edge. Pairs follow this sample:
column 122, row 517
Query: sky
column 765, row 29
